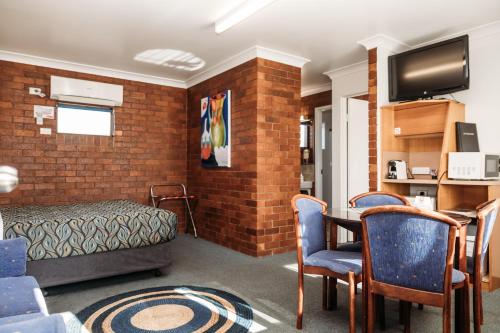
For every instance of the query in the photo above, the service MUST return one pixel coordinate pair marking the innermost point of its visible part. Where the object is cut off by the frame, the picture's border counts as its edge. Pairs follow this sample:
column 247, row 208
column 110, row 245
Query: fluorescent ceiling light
column 238, row 14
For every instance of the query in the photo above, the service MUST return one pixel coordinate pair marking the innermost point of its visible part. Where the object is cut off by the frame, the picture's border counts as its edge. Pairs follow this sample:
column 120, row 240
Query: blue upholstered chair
column 366, row 200
column 313, row 257
column 408, row 255
column 22, row 306
column 486, row 217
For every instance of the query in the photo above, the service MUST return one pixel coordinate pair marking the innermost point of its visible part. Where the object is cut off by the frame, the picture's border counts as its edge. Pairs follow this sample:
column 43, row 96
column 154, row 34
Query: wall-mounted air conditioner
column 86, row 92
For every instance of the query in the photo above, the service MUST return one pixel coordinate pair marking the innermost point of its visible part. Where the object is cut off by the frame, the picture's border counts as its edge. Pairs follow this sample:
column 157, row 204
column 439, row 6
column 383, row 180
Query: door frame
column 318, row 153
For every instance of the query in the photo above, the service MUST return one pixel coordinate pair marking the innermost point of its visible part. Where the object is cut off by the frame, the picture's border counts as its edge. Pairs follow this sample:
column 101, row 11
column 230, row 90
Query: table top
column 351, row 217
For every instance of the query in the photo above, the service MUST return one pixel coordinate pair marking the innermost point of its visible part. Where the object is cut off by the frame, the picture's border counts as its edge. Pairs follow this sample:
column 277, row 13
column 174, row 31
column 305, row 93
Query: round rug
column 167, row 310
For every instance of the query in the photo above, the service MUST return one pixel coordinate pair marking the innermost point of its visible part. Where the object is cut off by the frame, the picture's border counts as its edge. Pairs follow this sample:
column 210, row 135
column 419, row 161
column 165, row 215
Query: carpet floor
column 268, row 284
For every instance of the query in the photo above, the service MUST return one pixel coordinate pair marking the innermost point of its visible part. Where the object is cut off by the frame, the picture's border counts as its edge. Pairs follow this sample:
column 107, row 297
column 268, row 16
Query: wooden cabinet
column 414, row 119
column 423, row 133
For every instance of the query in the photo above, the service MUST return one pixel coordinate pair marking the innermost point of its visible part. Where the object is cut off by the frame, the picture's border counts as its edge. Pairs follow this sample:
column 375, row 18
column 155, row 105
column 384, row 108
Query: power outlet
column 45, row 131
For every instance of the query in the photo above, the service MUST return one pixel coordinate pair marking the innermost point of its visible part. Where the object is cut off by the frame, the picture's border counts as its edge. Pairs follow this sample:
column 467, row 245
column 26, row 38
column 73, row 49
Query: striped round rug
column 169, row 309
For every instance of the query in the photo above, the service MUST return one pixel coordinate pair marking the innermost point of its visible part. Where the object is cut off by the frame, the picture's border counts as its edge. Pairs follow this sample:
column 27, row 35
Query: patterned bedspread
column 72, row 230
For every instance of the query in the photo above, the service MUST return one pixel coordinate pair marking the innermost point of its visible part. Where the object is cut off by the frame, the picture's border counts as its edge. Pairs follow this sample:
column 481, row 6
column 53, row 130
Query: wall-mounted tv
column 436, row 69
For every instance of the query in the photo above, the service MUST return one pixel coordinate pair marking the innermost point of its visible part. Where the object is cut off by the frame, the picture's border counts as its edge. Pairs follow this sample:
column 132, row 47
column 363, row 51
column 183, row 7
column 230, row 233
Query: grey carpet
column 269, row 284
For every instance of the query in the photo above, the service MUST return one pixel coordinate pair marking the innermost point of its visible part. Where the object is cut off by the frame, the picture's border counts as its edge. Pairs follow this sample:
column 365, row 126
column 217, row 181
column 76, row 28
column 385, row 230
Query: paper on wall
column 43, row 111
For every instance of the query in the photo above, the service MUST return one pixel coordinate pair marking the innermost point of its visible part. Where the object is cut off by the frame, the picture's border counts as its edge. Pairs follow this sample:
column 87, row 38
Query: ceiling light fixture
column 238, row 14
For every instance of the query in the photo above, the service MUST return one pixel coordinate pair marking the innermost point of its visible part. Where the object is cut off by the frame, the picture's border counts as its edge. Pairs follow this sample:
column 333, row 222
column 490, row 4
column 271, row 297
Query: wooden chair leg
column 325, row 292
column 476, row 307
column 466, row 305
column 380, row 311
column 364, row 307
column 407, row 316
column 300, row 300
column 480, row 296
column 401, row 313
column 370, row 313
column 332, row 293
column 447, row 315
column 352, row 303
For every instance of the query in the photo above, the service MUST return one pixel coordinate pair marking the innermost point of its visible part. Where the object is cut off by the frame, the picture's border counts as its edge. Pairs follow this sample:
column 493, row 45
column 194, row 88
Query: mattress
column 79, row 229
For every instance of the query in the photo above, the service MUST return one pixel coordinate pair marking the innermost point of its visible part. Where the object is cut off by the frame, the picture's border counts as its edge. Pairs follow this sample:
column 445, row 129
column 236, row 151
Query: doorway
column 323, row 155
column 326, row 151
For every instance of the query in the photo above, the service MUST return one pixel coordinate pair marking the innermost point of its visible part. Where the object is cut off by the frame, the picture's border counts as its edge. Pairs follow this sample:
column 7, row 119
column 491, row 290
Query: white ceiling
column 111, row 33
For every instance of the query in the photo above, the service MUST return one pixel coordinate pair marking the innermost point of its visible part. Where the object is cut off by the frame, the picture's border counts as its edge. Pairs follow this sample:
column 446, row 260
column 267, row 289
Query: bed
column 72, row 243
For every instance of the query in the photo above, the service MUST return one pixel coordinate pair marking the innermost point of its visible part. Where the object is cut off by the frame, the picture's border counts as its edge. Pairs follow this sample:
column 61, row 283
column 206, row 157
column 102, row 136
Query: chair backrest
column 310, row 229
column 378, row 198
column 408, row 247
column 486, row 217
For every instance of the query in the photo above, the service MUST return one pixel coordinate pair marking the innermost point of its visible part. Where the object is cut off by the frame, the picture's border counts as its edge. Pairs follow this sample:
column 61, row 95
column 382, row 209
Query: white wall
column 482, row 100
column 346, row 82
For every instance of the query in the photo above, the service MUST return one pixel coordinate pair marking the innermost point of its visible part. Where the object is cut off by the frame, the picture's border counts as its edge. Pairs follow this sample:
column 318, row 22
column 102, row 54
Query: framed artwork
column 216, row 130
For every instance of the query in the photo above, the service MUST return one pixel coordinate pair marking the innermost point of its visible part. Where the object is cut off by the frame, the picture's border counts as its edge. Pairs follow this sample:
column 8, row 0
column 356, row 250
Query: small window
column 80, row 119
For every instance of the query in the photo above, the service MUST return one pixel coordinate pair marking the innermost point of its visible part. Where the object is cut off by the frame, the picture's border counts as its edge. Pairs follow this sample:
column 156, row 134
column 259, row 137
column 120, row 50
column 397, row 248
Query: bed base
column 59, row 271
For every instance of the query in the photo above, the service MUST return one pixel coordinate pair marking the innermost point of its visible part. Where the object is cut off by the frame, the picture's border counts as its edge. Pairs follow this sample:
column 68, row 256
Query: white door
column 357, row 147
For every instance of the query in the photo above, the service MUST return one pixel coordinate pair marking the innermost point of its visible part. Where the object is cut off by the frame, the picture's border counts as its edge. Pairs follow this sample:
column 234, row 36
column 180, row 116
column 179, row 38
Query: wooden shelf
column 422, row 133
column 471, row 182
column 411, row 181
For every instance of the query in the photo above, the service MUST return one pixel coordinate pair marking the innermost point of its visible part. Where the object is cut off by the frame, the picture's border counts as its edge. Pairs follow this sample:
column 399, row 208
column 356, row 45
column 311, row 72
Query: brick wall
column 372, row 114
column 309, row 103
column 227, row 207
column 150, row 145
column 247, row 207
column 278, row 154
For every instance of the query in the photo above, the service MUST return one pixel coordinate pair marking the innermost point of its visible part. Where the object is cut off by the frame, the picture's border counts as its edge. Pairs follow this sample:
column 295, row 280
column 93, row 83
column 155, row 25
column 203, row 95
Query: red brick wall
column 150, row 145
column 247, row 207
column 278, row 154
column 372, row 114
column 227, row 206
column 309, row 103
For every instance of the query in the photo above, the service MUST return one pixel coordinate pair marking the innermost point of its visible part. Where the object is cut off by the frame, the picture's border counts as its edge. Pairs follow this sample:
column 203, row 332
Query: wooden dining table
column 350, row 219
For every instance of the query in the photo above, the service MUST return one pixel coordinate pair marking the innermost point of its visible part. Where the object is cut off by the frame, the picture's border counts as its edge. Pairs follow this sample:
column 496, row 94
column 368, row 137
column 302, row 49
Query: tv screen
column 436, row 69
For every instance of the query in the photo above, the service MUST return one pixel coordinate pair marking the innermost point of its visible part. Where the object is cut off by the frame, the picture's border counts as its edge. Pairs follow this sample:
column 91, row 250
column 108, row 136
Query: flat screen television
column 431, row 70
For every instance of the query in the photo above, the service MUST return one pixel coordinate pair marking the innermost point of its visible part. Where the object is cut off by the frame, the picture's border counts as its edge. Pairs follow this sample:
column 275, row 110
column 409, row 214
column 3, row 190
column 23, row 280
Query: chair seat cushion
column 15, row 319
column 50, row 324
column 350, row 247
column 457, row 276
column 19, row 296
column 340, row 262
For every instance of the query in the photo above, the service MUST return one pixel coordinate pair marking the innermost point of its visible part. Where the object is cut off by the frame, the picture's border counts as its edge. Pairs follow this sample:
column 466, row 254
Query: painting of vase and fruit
column 216, row 130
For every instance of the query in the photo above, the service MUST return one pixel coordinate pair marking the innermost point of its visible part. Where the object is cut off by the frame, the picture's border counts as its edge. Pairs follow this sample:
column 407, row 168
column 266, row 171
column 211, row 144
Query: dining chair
column 313, row 257
column 408, row 255
column 486, row 217
column 366, row 200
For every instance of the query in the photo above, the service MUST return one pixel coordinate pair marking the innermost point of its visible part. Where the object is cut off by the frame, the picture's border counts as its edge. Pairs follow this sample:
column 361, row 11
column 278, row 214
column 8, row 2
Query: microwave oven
column 473, row 166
